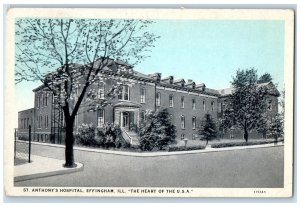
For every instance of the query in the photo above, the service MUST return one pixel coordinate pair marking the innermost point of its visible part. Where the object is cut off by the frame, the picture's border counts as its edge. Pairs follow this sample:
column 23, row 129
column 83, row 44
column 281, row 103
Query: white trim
column 151, row 84
column 170, row 89
column 192, row 93
column 180, row 91
column 162, row 88
column 207, row 96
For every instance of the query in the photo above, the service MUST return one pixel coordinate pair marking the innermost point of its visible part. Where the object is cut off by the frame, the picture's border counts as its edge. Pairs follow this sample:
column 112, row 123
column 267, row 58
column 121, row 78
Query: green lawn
column 216, row 141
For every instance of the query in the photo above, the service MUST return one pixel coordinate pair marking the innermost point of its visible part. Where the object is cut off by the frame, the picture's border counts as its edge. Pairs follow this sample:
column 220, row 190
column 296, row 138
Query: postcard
column 149, row 102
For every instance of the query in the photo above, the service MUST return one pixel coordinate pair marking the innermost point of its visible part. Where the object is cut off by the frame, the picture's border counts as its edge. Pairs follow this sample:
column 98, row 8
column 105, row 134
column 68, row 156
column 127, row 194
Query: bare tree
column 69, row 55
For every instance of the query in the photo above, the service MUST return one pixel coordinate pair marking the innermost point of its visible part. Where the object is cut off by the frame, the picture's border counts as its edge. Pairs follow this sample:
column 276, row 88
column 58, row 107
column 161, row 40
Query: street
column 247, row 168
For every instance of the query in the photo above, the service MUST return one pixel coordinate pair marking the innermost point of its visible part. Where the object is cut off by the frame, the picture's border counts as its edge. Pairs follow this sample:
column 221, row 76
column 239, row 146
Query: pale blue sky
column 208, row 51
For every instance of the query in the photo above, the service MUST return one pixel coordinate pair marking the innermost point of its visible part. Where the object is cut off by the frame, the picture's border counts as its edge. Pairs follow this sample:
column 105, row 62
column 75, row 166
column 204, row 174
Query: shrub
column 157, row 131
column 23, row 137
column 86, row 135
column 110, row 136
column 183, row 148
column 208, row 128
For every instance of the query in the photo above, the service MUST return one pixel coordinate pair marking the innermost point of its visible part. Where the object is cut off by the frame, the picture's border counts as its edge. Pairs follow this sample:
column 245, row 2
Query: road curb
column 78, row 168
column 157, row 154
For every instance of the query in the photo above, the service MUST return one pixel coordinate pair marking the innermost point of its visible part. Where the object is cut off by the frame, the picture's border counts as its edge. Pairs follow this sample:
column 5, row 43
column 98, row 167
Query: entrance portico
column 127, row 114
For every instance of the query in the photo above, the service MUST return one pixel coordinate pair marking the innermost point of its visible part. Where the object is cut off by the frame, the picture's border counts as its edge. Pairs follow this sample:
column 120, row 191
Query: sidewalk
column 162, row 153
column 42, row 167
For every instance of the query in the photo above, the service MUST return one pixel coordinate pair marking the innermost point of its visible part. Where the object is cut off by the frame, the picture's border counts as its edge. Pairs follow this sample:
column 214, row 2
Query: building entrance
column 125, row 120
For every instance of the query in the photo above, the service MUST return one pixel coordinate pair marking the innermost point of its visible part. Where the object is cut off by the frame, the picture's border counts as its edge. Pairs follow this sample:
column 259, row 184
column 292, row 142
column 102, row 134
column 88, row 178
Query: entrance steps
column 131, row 137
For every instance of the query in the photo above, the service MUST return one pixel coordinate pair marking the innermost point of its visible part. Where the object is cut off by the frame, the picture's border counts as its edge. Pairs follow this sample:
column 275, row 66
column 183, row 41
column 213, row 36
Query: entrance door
column 125, row 121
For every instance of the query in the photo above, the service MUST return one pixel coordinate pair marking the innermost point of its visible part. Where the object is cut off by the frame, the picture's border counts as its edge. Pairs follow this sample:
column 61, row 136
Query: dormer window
column 180, row 82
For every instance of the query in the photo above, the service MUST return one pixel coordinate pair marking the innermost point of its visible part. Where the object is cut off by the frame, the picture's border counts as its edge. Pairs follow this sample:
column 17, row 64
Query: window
column 194, row 104
column 42, row 138
column 101, row 91
column 46, row 137
column 143, row 95
column 76, row 121
column 143, row 116
column 46, row 121
column 182, row 102
column 204, row 105
column 194, row 122
column 182, row 122
column 219, row 107
column 38, row 101
column 100, row 118
column 24, row 123
column 171, row 100
column 270, row 105
column 212, row 105
column 158, row 99
column 124, row 95
column 126, row 92
column 182, row 136
column 194, row 136
column 40, row 121
column 27, row 122
column 46, row 100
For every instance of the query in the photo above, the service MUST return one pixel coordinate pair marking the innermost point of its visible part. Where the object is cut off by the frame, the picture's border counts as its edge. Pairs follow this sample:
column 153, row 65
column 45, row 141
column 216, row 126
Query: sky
column 206, row 51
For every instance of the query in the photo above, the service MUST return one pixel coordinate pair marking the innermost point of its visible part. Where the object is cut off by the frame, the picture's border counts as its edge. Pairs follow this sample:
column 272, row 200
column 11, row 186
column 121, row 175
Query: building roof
column 225, row 91
column 271, row 89
column 127, row 70
column 26, row 110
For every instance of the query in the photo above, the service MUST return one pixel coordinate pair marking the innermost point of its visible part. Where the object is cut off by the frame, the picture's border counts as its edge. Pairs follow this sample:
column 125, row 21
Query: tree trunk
column 245, row 131
column 69, row 142
column 206, row 142
column 246, row 134
column 265, row 135
column 276, row 140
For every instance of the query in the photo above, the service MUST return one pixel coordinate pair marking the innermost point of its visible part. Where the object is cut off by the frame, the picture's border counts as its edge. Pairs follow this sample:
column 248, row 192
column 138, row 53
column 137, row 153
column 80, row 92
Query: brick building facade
column 186, row 101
